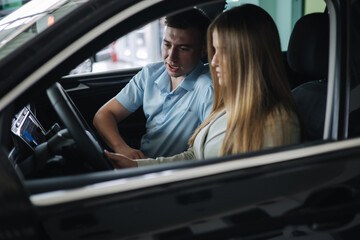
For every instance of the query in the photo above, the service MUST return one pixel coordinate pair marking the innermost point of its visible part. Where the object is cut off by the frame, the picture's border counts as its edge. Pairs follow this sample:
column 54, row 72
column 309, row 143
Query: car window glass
column 285, row 13
column 143, row 46
column 22, row 25
column 311, row 6
column 136, row 49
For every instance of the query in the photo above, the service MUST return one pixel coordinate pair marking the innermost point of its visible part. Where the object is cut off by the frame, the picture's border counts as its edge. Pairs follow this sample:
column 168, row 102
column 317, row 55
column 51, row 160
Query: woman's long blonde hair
column 254, row 77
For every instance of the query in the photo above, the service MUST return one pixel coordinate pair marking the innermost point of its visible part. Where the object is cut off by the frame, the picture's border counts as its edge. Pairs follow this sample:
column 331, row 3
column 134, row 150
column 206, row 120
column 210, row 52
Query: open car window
column 142, row 46
column 136, row 49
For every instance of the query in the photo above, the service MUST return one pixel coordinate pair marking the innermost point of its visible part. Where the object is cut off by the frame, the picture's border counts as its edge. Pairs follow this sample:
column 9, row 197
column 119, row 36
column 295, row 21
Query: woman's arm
column 187, row 155
column 121, row 161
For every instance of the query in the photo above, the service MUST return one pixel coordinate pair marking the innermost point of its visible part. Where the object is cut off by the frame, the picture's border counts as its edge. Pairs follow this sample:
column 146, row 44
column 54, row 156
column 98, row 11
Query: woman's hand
column 131, row 153
column 119, row 160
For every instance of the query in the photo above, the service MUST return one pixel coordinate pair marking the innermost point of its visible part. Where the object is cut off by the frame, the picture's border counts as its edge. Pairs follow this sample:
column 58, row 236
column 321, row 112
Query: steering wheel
column 78, row 128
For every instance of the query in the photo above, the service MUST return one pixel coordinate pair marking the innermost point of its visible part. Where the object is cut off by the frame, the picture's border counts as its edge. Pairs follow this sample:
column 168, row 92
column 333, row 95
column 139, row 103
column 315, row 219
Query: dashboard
column 40, row 153
column 27, row 129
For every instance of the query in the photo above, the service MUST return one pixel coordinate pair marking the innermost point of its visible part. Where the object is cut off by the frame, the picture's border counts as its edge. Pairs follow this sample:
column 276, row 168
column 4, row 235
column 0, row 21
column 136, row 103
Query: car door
column 303, row 191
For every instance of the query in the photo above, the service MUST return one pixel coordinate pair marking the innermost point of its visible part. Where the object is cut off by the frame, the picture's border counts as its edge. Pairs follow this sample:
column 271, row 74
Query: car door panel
column 287, row 193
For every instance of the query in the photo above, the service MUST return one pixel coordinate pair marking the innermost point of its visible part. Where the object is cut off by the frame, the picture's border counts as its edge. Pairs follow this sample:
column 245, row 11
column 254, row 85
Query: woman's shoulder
column 282, row 116
column 281, row 128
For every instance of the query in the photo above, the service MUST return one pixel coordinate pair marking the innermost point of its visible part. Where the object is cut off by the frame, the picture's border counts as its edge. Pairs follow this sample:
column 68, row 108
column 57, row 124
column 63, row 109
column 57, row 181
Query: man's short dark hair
column 193, row 18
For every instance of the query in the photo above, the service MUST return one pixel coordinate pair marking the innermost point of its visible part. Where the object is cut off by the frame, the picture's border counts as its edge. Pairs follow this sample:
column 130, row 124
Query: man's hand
column 105, row 122
column 131, row 152
column 119, row 160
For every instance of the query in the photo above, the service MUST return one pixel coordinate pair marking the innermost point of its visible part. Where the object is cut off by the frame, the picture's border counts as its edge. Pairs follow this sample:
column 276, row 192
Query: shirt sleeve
column 187, row 155
column 131, row 96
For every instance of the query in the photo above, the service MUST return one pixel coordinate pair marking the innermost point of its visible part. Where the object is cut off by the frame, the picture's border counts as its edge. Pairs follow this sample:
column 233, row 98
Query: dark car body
column 305, row 191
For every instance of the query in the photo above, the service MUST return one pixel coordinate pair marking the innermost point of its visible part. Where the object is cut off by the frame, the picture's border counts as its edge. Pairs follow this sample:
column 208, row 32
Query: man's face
column 181, row 51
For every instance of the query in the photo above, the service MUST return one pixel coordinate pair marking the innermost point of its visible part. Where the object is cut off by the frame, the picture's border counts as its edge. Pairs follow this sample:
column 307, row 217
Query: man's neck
column 175, row 82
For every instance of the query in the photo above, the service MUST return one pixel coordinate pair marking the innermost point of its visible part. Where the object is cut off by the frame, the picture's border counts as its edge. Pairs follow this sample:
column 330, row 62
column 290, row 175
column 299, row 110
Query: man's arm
column 105, row 122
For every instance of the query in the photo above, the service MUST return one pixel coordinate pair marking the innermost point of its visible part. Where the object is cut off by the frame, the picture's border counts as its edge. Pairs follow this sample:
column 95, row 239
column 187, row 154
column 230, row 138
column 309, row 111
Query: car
column 55, row 182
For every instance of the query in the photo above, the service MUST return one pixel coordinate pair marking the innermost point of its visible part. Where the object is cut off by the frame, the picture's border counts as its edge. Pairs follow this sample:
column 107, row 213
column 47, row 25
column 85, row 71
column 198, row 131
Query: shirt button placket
column 166, row 106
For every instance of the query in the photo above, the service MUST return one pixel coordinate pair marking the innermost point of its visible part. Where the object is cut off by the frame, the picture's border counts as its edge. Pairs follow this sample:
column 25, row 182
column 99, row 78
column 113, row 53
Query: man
column 176, row 94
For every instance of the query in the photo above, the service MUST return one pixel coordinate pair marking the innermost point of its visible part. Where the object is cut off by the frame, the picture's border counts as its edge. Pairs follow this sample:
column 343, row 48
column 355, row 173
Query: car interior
column 58, row 155
column 42, row 154
column 308, row 57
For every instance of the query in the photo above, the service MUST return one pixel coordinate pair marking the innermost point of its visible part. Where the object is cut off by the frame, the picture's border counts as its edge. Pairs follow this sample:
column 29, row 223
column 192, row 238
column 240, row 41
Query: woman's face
column 215, row 61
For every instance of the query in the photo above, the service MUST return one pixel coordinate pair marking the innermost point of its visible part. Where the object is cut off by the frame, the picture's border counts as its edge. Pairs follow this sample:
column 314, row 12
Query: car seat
column 307, row 56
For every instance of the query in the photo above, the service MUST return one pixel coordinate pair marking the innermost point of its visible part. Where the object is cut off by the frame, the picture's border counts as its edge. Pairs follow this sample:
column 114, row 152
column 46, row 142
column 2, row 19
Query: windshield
column 28, row 21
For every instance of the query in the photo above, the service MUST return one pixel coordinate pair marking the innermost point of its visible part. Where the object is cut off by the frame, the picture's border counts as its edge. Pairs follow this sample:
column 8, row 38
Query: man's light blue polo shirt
column 172, row 116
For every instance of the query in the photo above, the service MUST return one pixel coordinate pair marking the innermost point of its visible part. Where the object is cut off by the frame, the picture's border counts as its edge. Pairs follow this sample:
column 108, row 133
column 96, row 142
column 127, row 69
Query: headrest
column 308, row 51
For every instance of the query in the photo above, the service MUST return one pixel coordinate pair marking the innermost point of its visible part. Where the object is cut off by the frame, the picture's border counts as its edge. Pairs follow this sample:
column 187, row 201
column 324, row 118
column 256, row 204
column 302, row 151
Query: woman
column 253, row 106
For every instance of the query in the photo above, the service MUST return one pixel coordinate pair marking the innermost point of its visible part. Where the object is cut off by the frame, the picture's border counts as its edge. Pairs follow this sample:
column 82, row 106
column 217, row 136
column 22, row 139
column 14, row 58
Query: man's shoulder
column 150, row 72
column 204, row 78
column 154, row 68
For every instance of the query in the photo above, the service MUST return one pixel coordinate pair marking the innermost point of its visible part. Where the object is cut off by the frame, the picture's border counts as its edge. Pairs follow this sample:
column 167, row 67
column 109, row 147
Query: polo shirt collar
column 189, row 82
column 163, row 82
